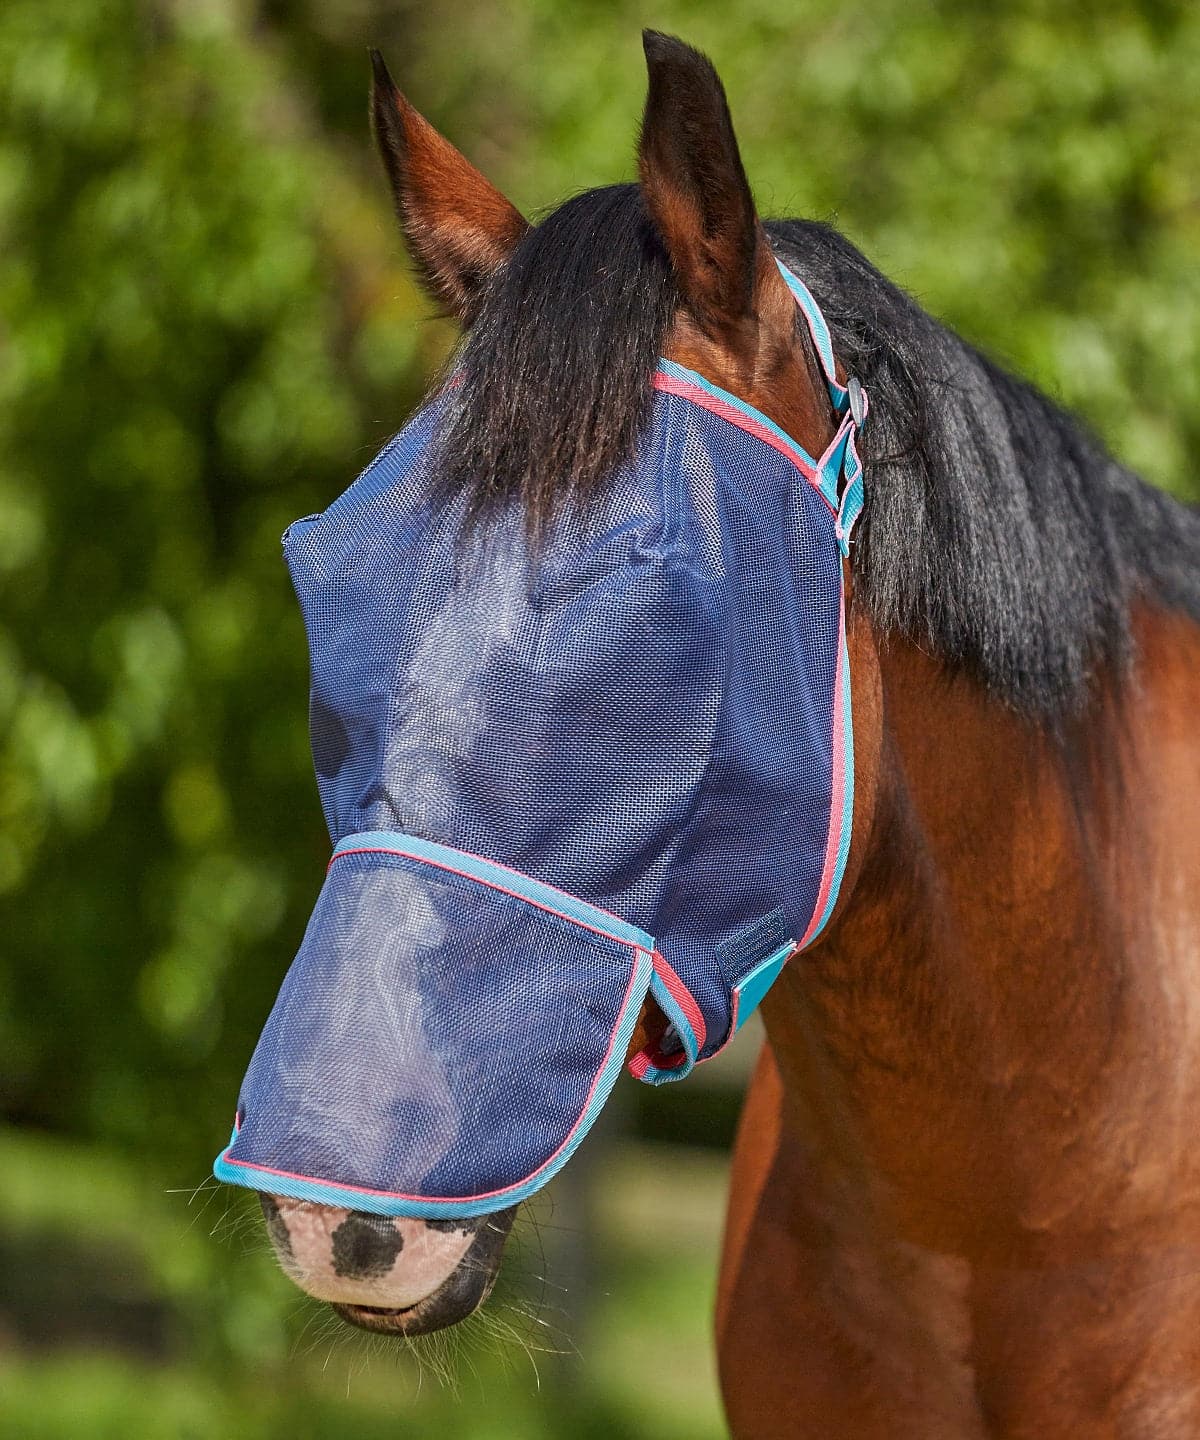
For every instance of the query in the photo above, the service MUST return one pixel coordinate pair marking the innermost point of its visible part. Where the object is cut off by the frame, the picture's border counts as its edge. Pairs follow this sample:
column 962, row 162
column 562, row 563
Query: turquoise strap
column 840, row 471
column 821, row 338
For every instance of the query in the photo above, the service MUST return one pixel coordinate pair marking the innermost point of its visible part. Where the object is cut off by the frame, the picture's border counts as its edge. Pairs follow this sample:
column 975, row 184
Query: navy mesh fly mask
column 557, row 780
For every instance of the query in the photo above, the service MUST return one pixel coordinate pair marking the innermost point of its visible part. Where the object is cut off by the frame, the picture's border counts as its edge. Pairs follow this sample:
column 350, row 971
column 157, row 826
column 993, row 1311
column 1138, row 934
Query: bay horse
column 965, row 1192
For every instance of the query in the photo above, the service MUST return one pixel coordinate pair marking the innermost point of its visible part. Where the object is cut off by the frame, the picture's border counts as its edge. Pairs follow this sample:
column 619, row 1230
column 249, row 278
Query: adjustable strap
column 840, row 470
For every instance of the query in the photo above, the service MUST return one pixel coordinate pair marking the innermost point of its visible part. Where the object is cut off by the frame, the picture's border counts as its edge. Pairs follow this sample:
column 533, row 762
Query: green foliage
column 190, row 276
column 1027, row 169
column 206, row 330
column 206, row 326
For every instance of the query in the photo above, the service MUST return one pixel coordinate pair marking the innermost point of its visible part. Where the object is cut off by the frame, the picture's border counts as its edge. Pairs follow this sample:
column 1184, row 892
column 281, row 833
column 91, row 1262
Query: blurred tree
column 1027, row 170
column 203, row 327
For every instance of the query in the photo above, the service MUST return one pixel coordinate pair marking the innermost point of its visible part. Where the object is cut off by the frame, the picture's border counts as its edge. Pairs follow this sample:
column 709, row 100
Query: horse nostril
column 365, row 1246
column 378, row 1271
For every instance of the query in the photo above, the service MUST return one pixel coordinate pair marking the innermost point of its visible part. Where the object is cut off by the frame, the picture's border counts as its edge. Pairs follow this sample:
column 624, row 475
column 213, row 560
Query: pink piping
column 834, row 839
column 683, row 998
column 641, row 1062
column 713, row 403
column 491, row 884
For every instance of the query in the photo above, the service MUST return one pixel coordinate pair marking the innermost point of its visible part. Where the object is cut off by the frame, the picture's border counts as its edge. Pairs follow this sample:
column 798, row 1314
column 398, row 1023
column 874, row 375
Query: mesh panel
column 642, row 717
column 423, row 1013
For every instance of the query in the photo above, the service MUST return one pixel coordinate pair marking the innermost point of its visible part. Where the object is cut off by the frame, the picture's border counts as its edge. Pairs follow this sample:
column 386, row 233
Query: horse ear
column 458, row 226
column 697, row 193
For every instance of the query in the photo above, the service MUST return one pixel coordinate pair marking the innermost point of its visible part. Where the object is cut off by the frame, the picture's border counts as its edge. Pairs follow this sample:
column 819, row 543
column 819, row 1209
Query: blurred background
column 207, row 325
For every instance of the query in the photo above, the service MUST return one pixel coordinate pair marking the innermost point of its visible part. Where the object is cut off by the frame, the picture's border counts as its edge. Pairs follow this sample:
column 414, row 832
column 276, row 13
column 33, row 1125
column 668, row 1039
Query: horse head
column 580, row 705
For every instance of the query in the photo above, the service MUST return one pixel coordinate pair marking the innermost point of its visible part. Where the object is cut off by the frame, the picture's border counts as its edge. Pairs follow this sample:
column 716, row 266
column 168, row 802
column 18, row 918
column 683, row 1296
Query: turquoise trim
column 490, row 873
column 826, row 473
column 840, row 462
column 328, row 1193
column 819, row 330
column 753, row 987
column 852, row 499
column 681, row 372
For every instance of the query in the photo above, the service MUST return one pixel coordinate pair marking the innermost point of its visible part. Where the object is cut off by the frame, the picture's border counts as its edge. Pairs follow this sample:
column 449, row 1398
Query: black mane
column 555, row 370
column 998, row 534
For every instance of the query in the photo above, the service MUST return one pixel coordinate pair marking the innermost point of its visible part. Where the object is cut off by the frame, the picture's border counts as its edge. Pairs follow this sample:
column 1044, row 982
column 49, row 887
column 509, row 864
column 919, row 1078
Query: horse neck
column 986, row 1019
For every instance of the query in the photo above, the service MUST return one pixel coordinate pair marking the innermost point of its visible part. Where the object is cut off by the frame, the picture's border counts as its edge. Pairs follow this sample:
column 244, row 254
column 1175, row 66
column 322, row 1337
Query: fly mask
column 558, row 778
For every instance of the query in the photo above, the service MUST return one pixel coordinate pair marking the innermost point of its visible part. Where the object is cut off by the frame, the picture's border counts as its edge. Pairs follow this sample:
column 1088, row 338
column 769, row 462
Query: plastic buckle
column 858, row 409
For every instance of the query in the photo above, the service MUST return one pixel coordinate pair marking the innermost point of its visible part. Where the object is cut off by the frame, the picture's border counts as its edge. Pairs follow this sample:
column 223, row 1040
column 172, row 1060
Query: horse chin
column 459, row 1295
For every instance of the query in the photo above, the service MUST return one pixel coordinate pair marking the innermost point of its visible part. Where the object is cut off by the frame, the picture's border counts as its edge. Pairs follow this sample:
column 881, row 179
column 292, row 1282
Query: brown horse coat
column 965, row 1198
column 966, row 1190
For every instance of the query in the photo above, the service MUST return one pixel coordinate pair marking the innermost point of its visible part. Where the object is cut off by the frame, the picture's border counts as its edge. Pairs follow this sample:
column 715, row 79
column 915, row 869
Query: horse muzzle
column 391, row 1275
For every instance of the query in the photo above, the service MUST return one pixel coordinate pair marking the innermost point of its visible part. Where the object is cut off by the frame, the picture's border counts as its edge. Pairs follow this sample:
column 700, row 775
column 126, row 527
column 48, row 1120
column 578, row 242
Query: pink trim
column 683, row 998
column 639, row 1065
column 827, row 454
column 490, row 884
column 486, row 1194
column 653, row 1056
column 714, row 404
column 834, row 838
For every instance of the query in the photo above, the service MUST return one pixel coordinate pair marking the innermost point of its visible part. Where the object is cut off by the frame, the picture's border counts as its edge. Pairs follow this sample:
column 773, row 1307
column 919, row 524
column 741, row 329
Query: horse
column 965, row 1189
